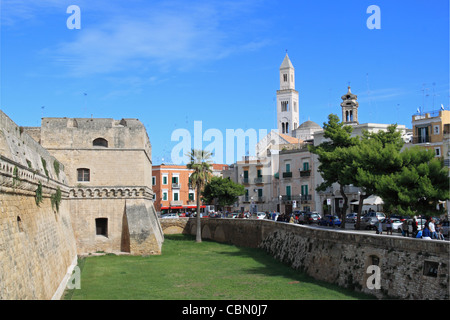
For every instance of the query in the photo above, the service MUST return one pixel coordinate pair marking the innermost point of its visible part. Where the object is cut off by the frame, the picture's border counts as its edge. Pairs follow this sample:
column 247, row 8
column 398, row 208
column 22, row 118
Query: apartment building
column 430, row 130
column 173, row 190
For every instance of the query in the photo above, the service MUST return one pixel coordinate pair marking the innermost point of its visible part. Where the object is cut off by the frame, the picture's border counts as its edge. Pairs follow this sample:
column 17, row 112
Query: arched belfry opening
column 349, row 107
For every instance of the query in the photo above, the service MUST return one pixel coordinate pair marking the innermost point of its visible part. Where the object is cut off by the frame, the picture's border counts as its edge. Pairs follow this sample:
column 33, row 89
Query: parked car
column 297, row 215
column 214, row 215
column 396, row 224
column 401, row 218
column 169, row 216
column 329, row 220
column 371, row 219
column 309, row 218
column 351, row 218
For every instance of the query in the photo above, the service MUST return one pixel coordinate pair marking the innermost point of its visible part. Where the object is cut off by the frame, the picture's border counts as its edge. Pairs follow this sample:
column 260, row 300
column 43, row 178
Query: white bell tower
column 287, row 99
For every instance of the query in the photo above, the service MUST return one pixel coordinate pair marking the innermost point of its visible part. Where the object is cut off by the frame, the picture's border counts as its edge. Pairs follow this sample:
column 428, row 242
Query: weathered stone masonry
column 40, row 240
column 339, row 257
column 37, row 244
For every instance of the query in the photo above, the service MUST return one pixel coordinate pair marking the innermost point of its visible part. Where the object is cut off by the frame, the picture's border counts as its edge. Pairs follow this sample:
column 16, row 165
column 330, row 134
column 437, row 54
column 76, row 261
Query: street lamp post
column 279, row 208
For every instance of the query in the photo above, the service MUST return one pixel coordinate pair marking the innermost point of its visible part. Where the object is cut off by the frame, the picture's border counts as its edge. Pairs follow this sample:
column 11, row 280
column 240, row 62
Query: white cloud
column 171, row 35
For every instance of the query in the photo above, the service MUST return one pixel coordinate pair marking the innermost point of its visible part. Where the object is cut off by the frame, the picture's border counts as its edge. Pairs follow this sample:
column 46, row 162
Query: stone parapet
column 409, row 268
column 105, row 192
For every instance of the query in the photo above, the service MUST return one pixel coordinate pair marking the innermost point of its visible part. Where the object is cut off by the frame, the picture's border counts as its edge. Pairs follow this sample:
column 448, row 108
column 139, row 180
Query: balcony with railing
column 305, row 173
column 421, row 139
column 176, row 186
column 259, row 180
column 176, row 203
column 303, row 197
column 287, row 174
column 245, row 181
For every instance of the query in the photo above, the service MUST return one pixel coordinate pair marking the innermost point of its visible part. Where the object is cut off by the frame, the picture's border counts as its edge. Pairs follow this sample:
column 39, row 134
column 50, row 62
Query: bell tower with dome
column 349, row 108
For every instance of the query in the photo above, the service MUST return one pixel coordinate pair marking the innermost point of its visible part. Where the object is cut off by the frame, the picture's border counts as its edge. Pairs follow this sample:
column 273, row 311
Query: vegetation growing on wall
column 44, row 164
column 56, row 166
column 38, row 197
column 56, row 199
column 16, row 178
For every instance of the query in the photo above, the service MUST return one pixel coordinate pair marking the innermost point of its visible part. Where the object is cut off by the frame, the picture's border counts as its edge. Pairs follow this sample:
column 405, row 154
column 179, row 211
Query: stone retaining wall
column 408, row 268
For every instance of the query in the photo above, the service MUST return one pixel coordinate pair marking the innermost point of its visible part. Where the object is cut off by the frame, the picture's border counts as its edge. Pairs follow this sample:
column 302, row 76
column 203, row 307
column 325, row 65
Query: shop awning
column 372, row 200
column 181, row 207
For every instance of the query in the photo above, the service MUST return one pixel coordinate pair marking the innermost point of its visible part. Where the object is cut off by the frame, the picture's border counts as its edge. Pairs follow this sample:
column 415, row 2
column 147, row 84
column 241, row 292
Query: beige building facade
column 109, row 172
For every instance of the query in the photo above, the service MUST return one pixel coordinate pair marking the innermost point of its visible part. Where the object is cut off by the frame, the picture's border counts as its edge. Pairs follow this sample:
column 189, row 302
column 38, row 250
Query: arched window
column 100, row 142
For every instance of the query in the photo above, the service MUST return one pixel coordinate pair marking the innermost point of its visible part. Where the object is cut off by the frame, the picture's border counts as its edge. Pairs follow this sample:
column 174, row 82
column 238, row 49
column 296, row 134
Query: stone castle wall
column 131, row 220
column 37, row 244
column 409, row 268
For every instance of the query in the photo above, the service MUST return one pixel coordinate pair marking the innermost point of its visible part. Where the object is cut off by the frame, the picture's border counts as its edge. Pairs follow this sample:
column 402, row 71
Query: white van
column 259, row 215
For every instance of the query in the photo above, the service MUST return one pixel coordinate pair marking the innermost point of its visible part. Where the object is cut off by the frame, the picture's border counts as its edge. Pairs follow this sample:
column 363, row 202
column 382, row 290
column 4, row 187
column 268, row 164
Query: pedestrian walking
column 432, row 228
column 405, row 228
column 388, row 226
column 380, row 227
column 440, row 236
column 414, row 227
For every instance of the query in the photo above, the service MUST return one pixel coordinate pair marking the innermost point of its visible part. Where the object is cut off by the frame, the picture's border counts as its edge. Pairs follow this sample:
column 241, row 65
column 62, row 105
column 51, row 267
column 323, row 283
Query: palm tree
column 200, row 162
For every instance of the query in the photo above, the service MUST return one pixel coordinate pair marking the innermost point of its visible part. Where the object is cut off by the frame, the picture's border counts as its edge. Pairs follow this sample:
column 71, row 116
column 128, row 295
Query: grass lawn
column 199, row 271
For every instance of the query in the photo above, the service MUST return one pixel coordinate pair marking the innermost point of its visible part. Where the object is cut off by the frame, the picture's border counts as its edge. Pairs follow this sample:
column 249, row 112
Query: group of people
column 431, row 230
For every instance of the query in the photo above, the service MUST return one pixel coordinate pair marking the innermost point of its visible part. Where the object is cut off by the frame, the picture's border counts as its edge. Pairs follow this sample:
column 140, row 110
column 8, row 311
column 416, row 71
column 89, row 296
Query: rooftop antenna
column 423, row 96
column 434, row 94
column 368, row 94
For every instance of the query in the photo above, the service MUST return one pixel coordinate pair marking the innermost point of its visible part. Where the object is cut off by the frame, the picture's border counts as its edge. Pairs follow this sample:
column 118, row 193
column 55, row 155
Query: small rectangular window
column 84, row 175
column 305, row 166
column 288, row 167
column 153, row 181
column 101, row 226
column 165, row 180
column 437, row 152
column 430, row 268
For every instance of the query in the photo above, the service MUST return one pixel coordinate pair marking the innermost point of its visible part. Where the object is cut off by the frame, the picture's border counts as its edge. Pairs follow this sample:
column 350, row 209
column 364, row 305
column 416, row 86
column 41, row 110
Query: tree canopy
column 411, row 181
column 222, row 192
column 332, row 154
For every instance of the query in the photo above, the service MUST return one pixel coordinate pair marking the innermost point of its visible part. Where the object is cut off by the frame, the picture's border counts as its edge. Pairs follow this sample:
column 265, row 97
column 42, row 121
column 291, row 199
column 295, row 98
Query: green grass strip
column 187, row 270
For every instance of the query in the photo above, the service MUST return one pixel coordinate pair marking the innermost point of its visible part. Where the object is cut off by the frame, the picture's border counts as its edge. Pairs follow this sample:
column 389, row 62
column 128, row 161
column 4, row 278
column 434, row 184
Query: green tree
column 200, row 162
column 373, row 156
column 223, row 192
column 417, row 186
column 332, row 154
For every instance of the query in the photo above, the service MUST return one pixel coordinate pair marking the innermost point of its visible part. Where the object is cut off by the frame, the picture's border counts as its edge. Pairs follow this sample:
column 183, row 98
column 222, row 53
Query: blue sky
column 170, row 63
